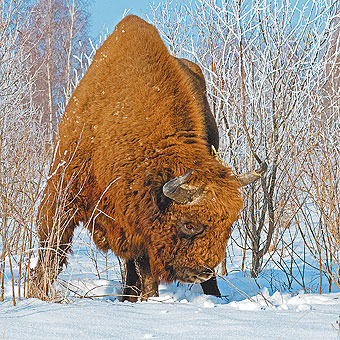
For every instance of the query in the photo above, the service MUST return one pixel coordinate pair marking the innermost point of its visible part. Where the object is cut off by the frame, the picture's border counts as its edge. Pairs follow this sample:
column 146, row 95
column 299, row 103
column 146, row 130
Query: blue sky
column 107, row 13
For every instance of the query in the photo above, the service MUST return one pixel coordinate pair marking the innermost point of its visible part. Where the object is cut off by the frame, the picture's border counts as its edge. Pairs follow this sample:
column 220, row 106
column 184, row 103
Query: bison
column 133, row 162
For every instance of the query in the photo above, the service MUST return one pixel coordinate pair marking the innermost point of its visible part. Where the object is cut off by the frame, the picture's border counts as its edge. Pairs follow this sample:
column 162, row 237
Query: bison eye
column 189, row 229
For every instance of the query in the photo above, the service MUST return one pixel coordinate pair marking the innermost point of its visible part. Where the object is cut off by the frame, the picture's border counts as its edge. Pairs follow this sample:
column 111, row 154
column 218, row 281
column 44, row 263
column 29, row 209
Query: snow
column 199, row 318
column 91, row 308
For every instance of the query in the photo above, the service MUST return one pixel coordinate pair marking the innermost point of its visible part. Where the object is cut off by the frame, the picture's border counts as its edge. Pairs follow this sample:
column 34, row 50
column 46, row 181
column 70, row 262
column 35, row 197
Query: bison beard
column 139, row 119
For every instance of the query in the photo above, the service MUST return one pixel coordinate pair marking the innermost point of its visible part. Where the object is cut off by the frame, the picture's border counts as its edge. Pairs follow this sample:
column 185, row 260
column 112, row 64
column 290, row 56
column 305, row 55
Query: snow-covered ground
column 249, row 310
column 311, row 317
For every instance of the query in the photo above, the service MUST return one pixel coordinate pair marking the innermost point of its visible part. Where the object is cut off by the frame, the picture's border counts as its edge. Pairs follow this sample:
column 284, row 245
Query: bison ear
column 180, row 192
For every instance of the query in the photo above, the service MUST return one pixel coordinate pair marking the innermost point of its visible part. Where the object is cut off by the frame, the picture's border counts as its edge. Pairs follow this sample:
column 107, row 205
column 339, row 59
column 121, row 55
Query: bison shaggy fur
column 138, row 119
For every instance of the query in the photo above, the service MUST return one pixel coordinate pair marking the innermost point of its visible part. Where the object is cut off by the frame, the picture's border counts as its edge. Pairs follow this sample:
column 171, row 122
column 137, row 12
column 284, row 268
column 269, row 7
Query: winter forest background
column 272, row 71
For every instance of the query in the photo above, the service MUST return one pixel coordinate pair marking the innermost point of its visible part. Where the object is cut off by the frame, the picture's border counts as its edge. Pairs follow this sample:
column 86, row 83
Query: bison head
column 188, row 240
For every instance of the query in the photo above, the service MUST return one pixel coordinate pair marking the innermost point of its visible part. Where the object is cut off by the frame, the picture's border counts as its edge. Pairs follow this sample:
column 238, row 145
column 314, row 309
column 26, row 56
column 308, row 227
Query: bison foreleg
column 210, row 287
column 132, row 285
column 149, row 284
column 139, row 280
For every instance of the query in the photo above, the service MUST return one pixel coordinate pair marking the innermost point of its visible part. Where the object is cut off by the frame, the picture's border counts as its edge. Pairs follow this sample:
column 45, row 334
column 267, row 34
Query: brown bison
column 133, row 162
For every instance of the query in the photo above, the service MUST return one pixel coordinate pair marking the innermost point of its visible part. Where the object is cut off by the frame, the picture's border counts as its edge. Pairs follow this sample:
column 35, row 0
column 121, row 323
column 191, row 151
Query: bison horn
column 177, row 190
column 253, row 175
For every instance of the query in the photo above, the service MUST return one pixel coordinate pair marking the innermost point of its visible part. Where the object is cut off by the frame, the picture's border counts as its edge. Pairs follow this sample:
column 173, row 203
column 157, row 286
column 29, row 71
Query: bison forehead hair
column 138, row 120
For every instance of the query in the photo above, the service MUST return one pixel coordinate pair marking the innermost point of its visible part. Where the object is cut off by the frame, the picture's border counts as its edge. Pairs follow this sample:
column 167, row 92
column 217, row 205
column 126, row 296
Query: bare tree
column 59, row 31
column 263, row 64
column 22, row 141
